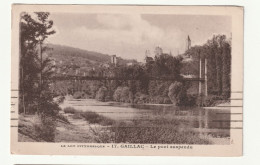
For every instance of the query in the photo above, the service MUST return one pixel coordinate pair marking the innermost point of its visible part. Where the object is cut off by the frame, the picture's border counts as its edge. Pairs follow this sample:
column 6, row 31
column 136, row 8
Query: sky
column 129, row 36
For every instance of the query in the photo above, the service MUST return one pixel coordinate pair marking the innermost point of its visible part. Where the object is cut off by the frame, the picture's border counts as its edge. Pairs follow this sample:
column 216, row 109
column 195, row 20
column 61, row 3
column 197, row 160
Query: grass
column 91, row 117
column 160, row 130
column 63, row 118
column 157, row 130
column 155, row 135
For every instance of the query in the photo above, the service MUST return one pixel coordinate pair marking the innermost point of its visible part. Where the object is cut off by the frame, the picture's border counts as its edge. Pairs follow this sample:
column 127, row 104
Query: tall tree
column 218, row 53
column 34, row 30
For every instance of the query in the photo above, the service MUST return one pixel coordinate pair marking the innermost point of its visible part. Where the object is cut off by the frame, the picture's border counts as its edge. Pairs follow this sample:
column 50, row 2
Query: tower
column 114, row 60
column 147, row 53
column 188, row 43
column 158, row 51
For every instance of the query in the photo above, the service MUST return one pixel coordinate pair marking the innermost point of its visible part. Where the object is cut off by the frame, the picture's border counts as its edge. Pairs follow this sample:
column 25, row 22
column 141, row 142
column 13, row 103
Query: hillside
column 63, row 52
column 71, row 61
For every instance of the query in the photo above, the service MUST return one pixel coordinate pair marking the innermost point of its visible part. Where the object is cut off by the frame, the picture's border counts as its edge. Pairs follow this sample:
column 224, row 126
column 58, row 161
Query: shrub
column 79, row 95
column 177, row 93
column 141, row 98
column 213, row 100
column 117, row 94
column 122, row 94
column 45, row 129
column 69, row 110
column 191, row 100
column 102, row 94
column 77, row 115
column 95, row 118
column 62, row 118
column 125, row 95
column 166, row 100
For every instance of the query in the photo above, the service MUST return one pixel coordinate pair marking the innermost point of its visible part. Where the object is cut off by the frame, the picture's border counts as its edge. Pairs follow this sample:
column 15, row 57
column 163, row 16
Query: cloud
column 127, row 36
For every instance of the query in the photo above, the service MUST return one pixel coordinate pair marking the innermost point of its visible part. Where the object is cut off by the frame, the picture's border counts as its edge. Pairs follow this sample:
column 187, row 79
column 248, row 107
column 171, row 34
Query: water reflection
column 215, row 122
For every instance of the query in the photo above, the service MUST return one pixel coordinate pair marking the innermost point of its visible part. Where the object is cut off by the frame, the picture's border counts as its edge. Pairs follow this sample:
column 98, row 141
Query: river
column 214, row 123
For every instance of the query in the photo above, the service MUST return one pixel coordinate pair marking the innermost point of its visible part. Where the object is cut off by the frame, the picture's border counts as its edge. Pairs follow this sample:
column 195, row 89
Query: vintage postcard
column 127, row 80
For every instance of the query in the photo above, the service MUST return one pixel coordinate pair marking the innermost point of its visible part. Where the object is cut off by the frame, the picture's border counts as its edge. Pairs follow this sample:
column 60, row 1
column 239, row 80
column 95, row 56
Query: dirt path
column 77, row 131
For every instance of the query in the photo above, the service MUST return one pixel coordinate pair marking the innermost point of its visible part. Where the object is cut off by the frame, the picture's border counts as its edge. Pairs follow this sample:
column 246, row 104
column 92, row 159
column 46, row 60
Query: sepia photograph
column 127, row 77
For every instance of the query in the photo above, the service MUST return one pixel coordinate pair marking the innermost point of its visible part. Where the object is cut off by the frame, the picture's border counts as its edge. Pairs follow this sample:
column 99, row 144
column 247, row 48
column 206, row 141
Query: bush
column 123, row 94
column 63, row 118
column 102, row 94
column 95, row 118
column 141, row 98
column 191, row 100
column 213, row 100
column 117, row 94
column 45, row 129
column 177, row 93
column 158, row 88
column 70, row 110
column 79, row 95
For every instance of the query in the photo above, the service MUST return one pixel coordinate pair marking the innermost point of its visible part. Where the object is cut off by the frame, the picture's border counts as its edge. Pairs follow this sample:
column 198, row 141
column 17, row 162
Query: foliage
column 35, row 96
column 158, row 130
column 45, row 129
column 158, row 88
column 35, row 70
column 63, row 118
column 213, row 100
column 79, row 95
column 217, row 51
column 177, row 93
column 141, row 98
column 155, row 135
column 69, row 110
column 165, row 65
column 95, row 118
column 102, row 94
column 142, row 90
column 123, row 94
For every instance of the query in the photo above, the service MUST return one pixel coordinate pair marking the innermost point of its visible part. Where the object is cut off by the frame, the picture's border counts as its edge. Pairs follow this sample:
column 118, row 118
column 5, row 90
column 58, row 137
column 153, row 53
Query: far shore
column 222, row 106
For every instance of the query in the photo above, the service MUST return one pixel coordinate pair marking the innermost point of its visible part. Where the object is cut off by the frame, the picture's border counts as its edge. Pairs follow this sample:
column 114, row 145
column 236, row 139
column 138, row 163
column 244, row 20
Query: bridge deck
column 64, row 78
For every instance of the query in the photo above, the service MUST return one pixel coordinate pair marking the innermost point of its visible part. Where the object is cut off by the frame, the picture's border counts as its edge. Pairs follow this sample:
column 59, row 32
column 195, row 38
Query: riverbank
column 80, row 130
column 221, row 106
column 91, row 121
column 64, row 132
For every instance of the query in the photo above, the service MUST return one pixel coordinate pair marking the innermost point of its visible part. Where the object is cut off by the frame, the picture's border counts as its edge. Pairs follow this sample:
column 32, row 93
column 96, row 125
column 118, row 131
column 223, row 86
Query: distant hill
column 69, row 59
column 63, row 52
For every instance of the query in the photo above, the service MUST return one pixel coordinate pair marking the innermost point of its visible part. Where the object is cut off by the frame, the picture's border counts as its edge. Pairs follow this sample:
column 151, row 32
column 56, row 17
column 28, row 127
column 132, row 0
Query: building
column 158, row 51
column 148, row 59
column 114, row 60
column 147, row 53
column 129, row 64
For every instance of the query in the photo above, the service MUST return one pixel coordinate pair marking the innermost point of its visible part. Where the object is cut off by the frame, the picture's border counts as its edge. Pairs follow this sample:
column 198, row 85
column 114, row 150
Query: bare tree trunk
column 22, row 81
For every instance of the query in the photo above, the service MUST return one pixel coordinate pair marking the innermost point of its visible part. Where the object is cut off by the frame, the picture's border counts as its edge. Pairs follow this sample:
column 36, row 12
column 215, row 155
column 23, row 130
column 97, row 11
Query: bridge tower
column 200, row 75
column 188, row 43
column 205, row 76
